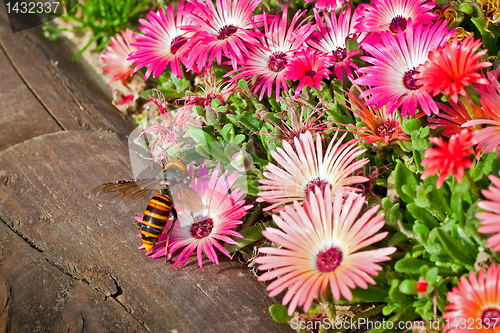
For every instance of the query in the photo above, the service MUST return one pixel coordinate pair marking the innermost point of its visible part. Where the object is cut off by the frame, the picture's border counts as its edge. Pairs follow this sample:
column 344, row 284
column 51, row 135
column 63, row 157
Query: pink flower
column 489, row 136
column 332, row 40
column 389, row 15
column 476, row 300
column 171, row 128
column 225, row 30
column 268, row 60
column 119, row 68
column 307, row 166
column 394, row 66
column 207, row 228
column 490, row 220
column 450, row 158
column 163, row 42
column 310, row 67
column 330, row 5
column 319, row 244
column 451, row 68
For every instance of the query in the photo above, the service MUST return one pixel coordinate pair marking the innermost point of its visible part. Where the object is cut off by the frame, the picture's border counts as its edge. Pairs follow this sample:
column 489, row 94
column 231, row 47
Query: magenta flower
column 389, row 15
column 310, row 67
column 490, row 219
column 205, row 229
column 116, row 55
column 332, row 38
column 225, row 30
column 307, row 166
column 268, row 60
column 163, row 42
column 318, row 247
column 330, row 5
column 394, row 63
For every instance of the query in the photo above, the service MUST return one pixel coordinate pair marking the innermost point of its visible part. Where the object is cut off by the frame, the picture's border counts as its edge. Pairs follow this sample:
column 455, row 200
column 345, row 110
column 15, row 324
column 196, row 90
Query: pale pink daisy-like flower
column 489, row 136
column 268, row 60
column 163, row 42
column 225, row 30
column 319, row 244
column 450, row 158
column 477, row 300
column 310, row 67
column 212, row 91
column 490, row 219
column 171, row 128
column 332, row 39
column 452, row 67
column 394, row 63
column 116, row 56
column 389, row 15
column 307, row 166
column 204, row 230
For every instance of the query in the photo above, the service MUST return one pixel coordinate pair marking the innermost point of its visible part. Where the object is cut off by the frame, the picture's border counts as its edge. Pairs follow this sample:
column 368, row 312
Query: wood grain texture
column 45, row 182
column 63, row 87
column 36, row 296
column 21, row 115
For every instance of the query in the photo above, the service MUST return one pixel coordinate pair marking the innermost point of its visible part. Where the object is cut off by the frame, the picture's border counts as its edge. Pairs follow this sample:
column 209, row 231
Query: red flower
column 450, row 158
column 452, row 67
column 310, row 67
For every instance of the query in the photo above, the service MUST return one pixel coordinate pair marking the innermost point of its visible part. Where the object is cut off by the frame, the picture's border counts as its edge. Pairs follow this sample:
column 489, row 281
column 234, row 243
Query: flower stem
column 473, row 187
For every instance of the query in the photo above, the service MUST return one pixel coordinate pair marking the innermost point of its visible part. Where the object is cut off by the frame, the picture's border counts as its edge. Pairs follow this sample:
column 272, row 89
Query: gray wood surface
column 70, row 264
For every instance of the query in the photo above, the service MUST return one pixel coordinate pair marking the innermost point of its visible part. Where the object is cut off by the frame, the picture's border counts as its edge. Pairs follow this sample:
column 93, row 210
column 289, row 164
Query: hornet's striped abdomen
column 155, row 218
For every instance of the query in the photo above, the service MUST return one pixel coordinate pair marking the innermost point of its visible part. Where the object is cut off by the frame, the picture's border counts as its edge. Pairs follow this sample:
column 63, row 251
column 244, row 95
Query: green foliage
column 103, row 17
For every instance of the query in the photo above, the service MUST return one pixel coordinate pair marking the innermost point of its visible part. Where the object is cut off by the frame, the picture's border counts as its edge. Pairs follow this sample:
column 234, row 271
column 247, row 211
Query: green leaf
column 397, row 238
column 456, row 206
column 238, row 139
column 485, row 166
column 201, row 136
column 227, row 132
column 279, row 313
column 411, row 124
column 422, row 215
column 374, row 293
column 466, row 8
column 455, row 249
column 432, row 275
column 351, row 44
column 250, row 235
column 410, row 265
column 408, row 287
column 243, row 85
column 403, row 176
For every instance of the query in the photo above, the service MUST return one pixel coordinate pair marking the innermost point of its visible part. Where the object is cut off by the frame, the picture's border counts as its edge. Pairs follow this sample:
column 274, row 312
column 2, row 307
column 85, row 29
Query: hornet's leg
column 174, row 214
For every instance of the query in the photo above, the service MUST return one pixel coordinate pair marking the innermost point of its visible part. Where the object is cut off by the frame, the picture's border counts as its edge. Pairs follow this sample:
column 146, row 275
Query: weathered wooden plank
column 22, row 117
column 35, row 296
column 65, row 88
column 45, row 181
